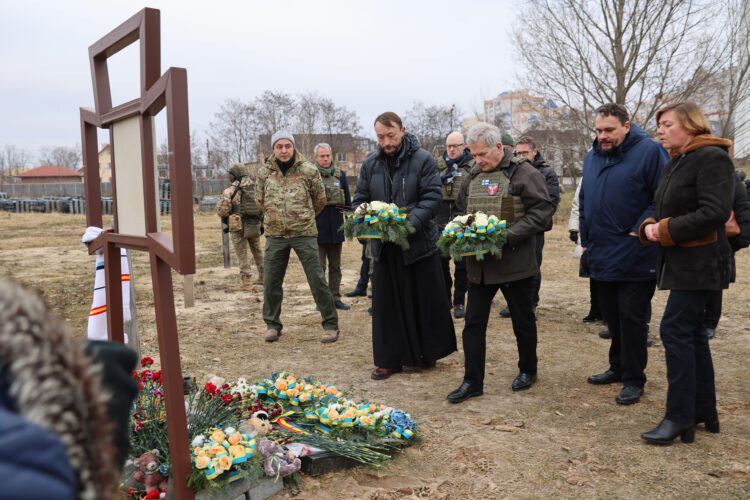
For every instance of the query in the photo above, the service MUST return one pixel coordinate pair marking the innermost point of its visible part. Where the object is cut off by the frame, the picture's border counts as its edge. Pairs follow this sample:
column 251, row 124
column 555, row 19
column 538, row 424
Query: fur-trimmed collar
column 52, row 384
column 700, row 141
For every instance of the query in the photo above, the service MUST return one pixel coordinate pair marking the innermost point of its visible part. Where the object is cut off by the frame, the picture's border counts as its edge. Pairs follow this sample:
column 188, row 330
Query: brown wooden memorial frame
column 156, row 93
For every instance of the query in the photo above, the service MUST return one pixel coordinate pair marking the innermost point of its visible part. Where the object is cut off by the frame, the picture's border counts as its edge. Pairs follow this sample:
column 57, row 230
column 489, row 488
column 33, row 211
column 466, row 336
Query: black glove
column 573, row 235
column 225, row 224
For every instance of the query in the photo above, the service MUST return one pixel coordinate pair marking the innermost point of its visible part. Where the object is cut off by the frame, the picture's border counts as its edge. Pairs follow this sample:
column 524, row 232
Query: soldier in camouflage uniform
column 290, row 194
column 247, row 233
column 511, row 189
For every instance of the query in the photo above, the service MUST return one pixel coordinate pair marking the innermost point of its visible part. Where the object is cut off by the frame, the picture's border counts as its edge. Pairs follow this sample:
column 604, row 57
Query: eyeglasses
column 517, row 153
column 453, row 146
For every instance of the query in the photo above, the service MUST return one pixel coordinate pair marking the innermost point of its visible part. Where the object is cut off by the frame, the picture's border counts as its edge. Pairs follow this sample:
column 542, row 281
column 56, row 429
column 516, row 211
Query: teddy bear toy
column 278, row 462
column 257, row 425
column 148, row 472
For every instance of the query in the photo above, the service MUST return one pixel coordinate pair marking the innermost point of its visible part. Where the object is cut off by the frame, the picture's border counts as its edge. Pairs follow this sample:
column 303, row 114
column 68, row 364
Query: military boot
column 259, row 278
column 244, row 284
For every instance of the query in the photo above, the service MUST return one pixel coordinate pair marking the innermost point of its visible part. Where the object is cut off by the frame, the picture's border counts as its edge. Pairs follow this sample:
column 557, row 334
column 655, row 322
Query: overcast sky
column 370, row 56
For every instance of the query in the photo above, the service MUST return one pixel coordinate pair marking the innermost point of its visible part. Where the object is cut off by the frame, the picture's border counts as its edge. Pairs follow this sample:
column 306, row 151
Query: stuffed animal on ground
column 148, row 472
column 278, row 462
column 257, row 425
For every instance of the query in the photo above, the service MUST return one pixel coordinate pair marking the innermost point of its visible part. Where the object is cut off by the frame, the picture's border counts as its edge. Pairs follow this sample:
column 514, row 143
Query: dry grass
column 563, row 438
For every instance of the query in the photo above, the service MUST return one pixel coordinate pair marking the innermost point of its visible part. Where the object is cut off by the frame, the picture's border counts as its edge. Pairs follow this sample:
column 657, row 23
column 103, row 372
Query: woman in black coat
column 693, row 202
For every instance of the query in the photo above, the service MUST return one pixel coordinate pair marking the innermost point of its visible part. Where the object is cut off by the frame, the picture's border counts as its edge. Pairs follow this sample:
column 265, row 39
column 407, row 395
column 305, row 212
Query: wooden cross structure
column 136, row 208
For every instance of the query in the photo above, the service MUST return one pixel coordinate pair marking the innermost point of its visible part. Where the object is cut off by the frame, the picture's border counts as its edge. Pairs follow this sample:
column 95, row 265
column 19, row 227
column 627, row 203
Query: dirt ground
column 562, row 438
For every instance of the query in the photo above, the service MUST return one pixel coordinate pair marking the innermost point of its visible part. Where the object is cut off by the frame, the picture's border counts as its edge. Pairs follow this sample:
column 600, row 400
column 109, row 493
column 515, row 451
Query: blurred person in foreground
column 63, row 410
column 411, row 320
column 693, row 202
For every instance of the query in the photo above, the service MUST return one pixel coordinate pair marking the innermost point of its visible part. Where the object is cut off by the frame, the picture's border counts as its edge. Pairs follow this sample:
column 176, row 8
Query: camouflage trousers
column 277, row 260
column 240, row 244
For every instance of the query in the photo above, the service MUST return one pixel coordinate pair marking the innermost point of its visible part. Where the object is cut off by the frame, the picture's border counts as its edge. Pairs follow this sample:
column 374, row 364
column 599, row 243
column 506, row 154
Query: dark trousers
column 332, row 253
column 594, row 310
column 364, row 269
column 626, row 308
column 713, row 309
column 538, row 277
column 518, row 295
column 461, row 282
column 690, row 370
column 276, row 262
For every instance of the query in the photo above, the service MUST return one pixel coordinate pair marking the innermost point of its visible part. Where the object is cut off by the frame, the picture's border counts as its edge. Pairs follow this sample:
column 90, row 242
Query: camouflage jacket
column 290, row 202
column 229, row 204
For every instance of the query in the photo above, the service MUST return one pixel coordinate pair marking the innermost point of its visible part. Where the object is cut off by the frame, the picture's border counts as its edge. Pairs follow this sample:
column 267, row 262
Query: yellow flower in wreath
column 223, row 463
column 202, row 461
column 218, row 436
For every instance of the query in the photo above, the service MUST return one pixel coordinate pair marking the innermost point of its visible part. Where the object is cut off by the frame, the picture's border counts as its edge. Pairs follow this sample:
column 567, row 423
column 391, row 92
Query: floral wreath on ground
column 300, row 413
column 474, row 234
column 379, row 220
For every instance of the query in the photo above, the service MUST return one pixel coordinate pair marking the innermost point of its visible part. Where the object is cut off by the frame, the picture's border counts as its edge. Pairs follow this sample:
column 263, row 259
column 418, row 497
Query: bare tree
column 734, row 75
column 274, row 111
column 431, row 124
column 61, row 155
column 233, row 134
column 13, row 159
column 641, row 54
column 308, row 112
column 336, row 120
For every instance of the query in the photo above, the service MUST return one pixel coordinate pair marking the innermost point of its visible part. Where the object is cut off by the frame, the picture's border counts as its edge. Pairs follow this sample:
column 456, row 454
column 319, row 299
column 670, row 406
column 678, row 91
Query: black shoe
column 464, row 392
column 341, row 305
column 712, row 423
column 523, row 381
column 591, row 318
column 459, row 311
column 505, row 313
column 384, row 373
column 667, row 430
column 429, row 365
column 710, row 333
column 629, row 395
column 605, row 334
column 357, row 292
column 608, row 377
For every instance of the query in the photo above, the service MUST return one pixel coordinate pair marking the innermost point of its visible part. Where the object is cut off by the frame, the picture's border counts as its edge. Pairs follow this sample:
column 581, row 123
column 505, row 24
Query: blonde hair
column 690, row 115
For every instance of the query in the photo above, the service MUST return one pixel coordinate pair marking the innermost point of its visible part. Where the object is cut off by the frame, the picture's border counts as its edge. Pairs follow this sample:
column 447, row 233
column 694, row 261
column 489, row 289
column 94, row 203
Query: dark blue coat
column 617, row 194
column 415, row 185
column 330, row 219
column 33, row 461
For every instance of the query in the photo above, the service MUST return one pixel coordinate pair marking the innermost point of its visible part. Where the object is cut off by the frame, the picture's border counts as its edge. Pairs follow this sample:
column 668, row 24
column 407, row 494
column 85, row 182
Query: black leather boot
column 712, row 423
column 667, row 430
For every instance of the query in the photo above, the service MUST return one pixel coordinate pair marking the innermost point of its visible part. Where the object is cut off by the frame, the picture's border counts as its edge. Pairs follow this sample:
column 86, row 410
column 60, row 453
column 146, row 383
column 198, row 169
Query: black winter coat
column 551, row 180
column 415, row 185
column 330, row 219
column 693, row 202
column 741, row 209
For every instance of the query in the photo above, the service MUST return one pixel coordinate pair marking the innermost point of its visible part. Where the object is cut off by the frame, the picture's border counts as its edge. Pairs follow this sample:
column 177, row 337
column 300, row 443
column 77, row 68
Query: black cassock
column 411, row 318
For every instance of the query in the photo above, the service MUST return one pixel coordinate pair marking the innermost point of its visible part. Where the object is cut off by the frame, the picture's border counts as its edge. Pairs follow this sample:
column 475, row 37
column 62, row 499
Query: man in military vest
column 454, row 165
column 511, row 189
column 290, row 194
column 244, row 228
column 330, row 220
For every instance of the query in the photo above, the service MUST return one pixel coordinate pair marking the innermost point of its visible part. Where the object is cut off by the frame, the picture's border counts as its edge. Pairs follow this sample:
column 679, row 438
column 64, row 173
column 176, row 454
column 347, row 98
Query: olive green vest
column 450, row 190
column 334, row 191
column 489, row 192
